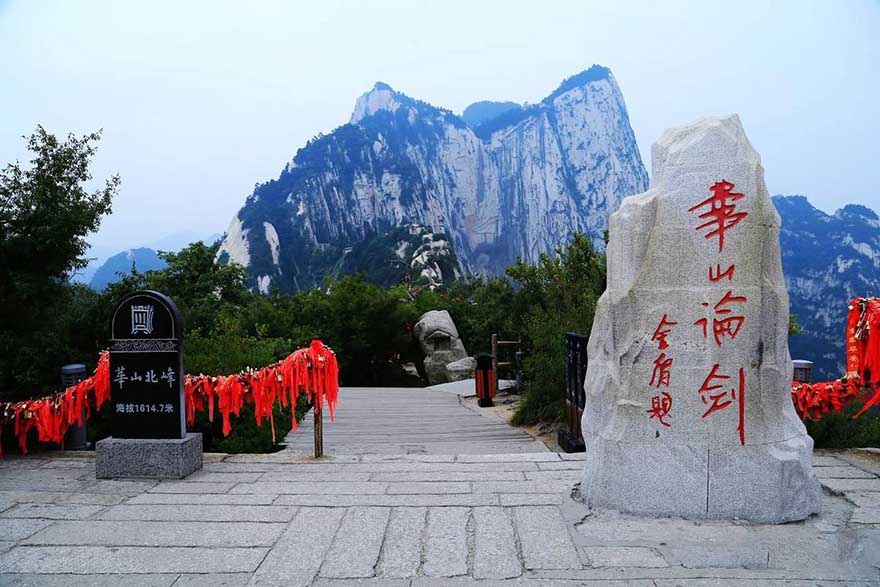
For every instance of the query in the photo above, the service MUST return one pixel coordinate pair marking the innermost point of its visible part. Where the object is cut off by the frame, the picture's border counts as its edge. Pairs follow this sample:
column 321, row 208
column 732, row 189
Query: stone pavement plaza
column 371, row 517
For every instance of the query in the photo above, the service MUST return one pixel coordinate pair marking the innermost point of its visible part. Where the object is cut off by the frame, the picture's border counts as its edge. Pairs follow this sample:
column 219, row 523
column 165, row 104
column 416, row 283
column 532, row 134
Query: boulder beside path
column 439, row 340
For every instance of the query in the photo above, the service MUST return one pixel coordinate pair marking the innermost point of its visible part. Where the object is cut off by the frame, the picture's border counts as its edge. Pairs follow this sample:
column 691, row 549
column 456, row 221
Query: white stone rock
column 461, row 369
column 439, row 340
column 659, row 263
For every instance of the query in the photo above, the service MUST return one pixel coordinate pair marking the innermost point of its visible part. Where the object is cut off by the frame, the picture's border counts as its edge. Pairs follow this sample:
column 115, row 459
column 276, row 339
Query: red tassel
column 313, row 370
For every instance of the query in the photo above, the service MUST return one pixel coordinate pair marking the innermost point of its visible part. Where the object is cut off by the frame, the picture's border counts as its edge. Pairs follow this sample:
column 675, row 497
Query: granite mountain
column 516, row 181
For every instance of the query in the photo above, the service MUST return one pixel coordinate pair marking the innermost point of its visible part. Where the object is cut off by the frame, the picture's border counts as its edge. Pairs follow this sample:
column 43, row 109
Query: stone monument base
column 159, row 458
column 766, row 483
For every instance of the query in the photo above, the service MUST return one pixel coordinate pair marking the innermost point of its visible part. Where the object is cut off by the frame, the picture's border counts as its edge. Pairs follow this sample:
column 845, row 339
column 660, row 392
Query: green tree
column 561, row 292
column 45, row 214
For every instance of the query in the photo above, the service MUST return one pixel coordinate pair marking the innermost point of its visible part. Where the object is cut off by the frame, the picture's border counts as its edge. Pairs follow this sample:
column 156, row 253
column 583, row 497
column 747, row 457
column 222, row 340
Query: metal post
column 319, row 432
column 75, row 439
column 802, row 371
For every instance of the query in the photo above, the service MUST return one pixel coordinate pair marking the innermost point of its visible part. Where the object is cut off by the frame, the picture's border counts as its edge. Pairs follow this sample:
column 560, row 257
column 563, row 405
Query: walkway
column 364, row 517
column 411, row 421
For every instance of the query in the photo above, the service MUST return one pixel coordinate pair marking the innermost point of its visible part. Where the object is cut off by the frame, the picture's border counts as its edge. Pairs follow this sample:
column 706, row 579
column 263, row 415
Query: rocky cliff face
column 514, row 185
column 828, row 260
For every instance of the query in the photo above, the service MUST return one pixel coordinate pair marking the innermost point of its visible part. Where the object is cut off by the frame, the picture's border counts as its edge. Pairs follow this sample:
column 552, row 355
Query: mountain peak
column 381, row 97
column 593, row 73
column 856, row 211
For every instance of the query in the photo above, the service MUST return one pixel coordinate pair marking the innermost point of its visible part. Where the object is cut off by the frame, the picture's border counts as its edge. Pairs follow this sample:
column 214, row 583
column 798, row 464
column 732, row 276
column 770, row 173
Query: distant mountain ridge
column 97, row 255
column 827, row 261
column 121, row 264
column 519, row 183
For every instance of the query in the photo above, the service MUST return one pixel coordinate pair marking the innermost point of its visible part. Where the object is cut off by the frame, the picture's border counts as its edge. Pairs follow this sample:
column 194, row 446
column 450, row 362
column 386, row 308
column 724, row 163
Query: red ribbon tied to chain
column 816, row 400
column 312, row 371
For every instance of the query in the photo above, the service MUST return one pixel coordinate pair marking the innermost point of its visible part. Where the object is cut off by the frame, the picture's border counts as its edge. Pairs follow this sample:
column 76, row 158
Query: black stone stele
column 146, row 368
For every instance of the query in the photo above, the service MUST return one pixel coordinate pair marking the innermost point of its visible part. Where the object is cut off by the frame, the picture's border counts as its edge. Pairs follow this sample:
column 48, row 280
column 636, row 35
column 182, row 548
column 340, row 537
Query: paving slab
column 18, row 529
column 868, row 499
column 124, row 559
column 66, row 580
column 545, row 540
column 514, row 499
column 429, row 487
column 298, row 554
column 402, row 552
column 624, row 556
column 842, row 485
column 213, row 580
column 201, row 499
column 846, row 472
column 543, row 486
column 410, row 500
column 355, row 551
column 118, row 487
column 866, row 516
column 194, row 487
column 307, row 487
column 20, row 496
column 495, row 550
column 446, row 548
column 52, row 511
column 203, row 476
column 112, row 533
column 200, row 513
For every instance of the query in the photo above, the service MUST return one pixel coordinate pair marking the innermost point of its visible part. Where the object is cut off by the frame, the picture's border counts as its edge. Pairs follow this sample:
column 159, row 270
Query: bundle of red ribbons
column 862, row 379
column 312, row 371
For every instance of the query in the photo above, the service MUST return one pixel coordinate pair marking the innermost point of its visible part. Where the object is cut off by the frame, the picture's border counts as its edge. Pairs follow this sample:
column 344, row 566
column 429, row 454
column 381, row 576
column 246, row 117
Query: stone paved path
column 412, row 520
column 412, row 421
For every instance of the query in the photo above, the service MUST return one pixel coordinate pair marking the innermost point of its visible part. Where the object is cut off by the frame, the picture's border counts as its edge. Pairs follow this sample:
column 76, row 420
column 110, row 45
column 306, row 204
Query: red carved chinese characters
column 661, row 404
column 719, row 275
column 720, row 215
column 725, row 398
column 722, row 211
column 723, row 324
column 660, row 407
column 662, row 331
column 662, row 371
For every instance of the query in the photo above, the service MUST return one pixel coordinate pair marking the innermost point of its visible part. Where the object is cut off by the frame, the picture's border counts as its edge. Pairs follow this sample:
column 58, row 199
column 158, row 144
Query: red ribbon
column 313, row 371
column 816, row 400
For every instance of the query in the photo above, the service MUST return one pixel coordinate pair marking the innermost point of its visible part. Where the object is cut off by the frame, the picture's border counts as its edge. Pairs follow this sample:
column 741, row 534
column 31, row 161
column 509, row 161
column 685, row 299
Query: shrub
column 839, row 430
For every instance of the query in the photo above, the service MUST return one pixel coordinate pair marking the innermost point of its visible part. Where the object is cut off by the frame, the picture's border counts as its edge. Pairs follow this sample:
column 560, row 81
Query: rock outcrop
column 688, row 409
column 439, row 340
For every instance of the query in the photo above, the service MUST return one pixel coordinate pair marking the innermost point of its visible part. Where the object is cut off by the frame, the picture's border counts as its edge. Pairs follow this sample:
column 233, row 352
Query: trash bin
column 485, row 380
column 75, row 439
column 803, row 371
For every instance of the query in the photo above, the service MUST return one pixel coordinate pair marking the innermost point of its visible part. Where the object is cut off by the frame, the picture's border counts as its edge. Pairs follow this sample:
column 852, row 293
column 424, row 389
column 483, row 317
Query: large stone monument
column 146, row 394
column 688, row 408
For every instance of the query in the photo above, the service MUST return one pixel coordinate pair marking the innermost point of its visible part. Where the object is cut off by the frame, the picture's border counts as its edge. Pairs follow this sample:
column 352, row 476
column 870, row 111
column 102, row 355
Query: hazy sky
column 200, row 100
